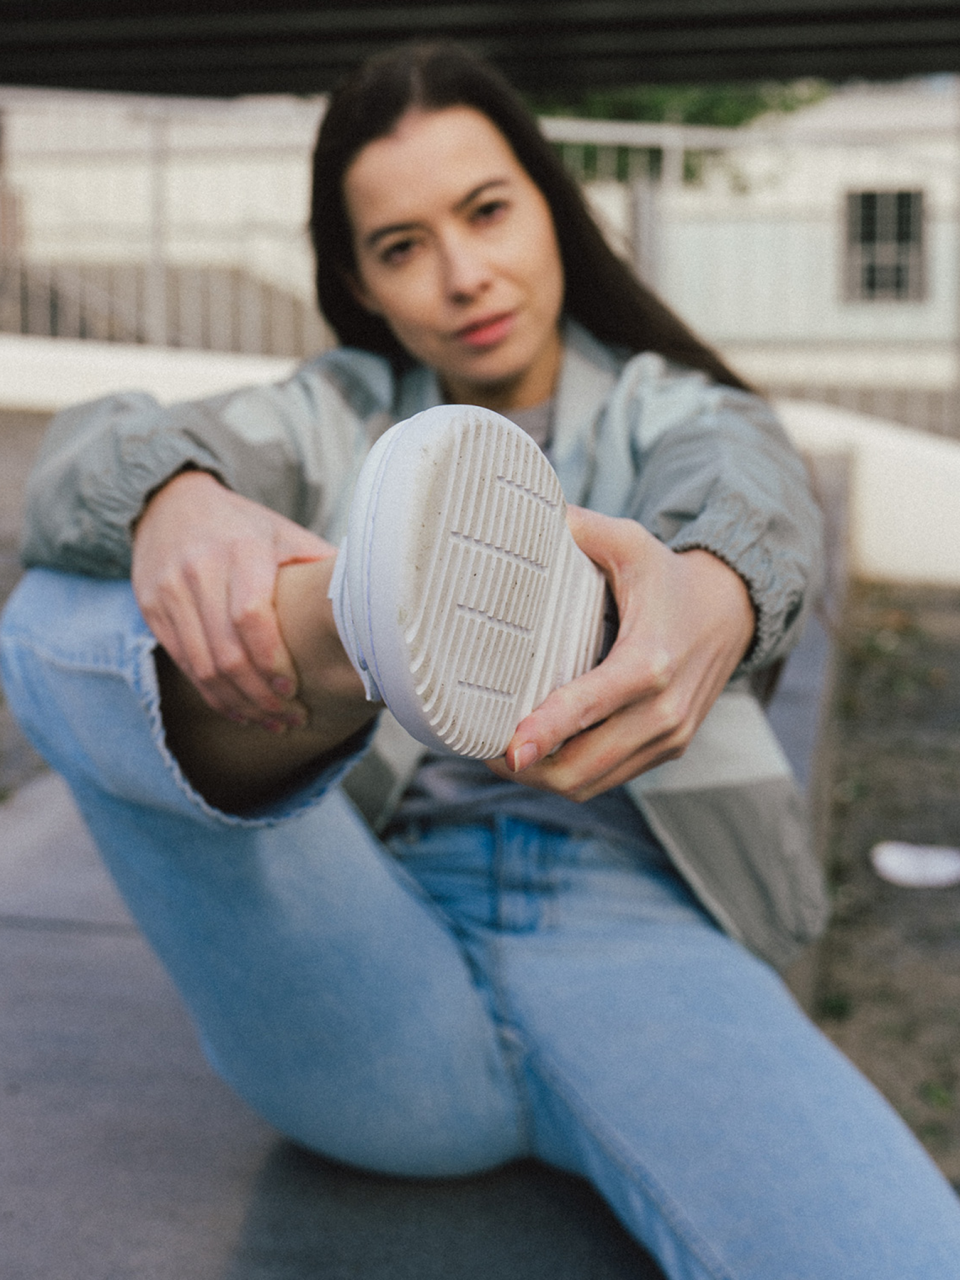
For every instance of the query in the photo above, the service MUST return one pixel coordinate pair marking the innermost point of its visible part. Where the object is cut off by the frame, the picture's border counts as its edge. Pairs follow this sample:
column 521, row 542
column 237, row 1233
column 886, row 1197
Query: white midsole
column 464, row 600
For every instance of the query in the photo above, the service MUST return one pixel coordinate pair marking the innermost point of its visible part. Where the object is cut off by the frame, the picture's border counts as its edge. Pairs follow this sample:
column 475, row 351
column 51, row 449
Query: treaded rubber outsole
column 474, row 602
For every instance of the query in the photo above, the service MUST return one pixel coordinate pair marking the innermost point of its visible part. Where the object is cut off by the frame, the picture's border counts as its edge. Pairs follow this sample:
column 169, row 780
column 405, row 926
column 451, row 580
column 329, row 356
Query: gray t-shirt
column 448, row 789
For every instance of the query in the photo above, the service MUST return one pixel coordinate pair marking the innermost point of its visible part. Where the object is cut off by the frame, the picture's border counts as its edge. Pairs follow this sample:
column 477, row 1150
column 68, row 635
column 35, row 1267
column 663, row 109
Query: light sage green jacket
column 700, row 465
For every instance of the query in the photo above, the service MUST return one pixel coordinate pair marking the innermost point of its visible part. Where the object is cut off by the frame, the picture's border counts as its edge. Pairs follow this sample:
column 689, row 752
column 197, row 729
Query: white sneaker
column 459, row 594
column 916, row 866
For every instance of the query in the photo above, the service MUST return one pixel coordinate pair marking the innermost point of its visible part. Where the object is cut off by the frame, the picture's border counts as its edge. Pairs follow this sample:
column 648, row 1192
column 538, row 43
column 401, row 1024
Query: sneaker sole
column 470, row 598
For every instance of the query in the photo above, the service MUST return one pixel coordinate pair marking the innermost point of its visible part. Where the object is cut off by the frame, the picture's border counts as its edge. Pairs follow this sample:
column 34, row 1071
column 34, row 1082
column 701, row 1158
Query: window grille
column 885, row 246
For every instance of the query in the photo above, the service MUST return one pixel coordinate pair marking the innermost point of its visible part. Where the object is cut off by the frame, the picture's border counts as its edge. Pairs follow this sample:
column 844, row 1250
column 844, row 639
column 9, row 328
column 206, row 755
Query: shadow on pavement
column 308, row 1218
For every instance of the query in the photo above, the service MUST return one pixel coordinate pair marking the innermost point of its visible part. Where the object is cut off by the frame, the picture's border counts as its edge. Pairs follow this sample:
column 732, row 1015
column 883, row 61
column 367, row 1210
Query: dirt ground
column 887, row 974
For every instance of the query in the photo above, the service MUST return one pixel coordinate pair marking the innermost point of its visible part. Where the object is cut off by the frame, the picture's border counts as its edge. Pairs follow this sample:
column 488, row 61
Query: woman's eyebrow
column 374, row 237
column 480, row 190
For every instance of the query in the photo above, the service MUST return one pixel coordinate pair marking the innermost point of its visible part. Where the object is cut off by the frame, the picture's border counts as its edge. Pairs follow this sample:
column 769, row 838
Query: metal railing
column 212, row 309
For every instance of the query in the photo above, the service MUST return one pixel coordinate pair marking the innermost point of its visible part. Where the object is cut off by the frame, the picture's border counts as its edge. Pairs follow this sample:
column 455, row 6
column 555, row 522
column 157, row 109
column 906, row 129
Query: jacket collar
column 587, row 377
column 588, row 374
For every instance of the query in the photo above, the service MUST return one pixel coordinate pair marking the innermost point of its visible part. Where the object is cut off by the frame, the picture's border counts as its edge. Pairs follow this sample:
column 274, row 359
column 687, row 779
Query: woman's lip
column 486, row 332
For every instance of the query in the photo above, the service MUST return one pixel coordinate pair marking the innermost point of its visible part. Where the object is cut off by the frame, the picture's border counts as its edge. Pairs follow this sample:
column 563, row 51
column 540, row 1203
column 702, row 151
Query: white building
column 825, row 254
column 818, row 250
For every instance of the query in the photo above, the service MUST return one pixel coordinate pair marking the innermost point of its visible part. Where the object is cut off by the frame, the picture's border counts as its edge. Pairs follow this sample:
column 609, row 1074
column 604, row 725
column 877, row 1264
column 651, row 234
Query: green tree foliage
column 707, row 104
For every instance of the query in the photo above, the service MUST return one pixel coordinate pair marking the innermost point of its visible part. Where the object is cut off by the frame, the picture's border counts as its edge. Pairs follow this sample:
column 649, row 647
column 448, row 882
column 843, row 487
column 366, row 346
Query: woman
column 511, row 969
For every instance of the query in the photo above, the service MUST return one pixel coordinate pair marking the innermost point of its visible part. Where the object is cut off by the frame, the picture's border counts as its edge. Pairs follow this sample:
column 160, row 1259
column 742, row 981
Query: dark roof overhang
column 226, row 47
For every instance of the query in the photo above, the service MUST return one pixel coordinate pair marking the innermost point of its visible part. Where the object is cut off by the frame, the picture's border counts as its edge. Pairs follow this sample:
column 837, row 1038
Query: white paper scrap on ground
column 916, row 866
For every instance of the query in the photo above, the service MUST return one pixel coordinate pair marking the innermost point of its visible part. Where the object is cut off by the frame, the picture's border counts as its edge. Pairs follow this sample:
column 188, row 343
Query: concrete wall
column 47, row 374
column 904, row 497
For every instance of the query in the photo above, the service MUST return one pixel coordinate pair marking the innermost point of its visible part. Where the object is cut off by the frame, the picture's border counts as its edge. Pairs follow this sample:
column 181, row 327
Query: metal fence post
column 155, row 320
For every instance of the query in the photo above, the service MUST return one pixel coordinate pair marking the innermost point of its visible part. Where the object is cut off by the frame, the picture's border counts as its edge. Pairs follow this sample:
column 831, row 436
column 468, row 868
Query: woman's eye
column 396, row 252
column 490, row 210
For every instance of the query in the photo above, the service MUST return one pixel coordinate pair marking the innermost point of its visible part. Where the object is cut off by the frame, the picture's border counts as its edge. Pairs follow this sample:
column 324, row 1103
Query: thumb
column 610, row 542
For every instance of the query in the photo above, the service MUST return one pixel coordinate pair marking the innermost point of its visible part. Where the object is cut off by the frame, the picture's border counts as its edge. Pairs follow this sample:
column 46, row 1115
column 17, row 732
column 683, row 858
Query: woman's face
column 456, row 250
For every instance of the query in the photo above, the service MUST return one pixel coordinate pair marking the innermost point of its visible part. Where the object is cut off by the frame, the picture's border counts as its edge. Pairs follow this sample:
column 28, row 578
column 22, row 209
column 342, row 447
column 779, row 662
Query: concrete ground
column 888, row 980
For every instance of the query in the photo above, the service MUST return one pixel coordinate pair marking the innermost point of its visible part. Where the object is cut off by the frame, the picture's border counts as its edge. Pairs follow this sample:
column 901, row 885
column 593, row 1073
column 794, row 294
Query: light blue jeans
column 462, row 996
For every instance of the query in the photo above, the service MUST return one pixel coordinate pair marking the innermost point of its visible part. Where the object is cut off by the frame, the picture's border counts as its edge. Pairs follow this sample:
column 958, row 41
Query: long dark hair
column 601, row 291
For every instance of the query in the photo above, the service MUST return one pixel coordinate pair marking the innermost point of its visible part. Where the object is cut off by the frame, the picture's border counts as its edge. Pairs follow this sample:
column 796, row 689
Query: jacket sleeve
column 291, row 446
column 715, row 470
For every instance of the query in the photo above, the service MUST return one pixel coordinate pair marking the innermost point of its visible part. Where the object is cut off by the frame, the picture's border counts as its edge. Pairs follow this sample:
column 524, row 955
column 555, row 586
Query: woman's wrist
column 729, row 593
column 188, row 469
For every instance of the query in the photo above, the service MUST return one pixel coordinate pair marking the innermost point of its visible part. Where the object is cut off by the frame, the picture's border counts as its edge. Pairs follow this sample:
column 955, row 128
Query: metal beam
column 222, row 47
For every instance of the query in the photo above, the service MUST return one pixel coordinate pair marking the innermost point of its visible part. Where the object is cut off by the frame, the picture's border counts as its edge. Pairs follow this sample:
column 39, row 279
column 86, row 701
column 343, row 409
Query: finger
column 600, row 758
column 253, row 612
column 179, row 628
column 229, row 682
column 612, row 544
column 262, row 634
column 622, row 679
column 637, row 737
column 587, row 528
column 204, row 570
column 247, row 643
column 183, row 636
column 189, row 613
column 268, row 670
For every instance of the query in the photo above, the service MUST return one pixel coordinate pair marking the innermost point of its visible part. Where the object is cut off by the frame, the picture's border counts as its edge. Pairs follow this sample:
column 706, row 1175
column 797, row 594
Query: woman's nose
column 467, row 270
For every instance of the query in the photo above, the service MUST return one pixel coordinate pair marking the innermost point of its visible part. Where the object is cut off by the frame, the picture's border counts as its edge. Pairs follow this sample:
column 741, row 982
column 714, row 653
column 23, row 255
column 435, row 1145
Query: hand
column 238, row 767
column 686, row 621
column 204, row 573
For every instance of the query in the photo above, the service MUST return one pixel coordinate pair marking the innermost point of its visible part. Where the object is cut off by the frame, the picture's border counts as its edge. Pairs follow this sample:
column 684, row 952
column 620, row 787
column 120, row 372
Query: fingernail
column 282, row 686
column 524, row 757
column 236, row 717
column 295, row 720
column 274, row 726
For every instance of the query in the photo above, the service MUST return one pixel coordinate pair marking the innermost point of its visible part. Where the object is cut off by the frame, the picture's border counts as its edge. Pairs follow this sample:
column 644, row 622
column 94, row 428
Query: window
column 884, row 246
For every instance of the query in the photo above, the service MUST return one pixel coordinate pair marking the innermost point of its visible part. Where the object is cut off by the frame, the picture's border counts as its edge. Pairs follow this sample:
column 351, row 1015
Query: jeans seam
column 629, row 1166
column 515, row 1049
column 514, row 1046
column 484, row 979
